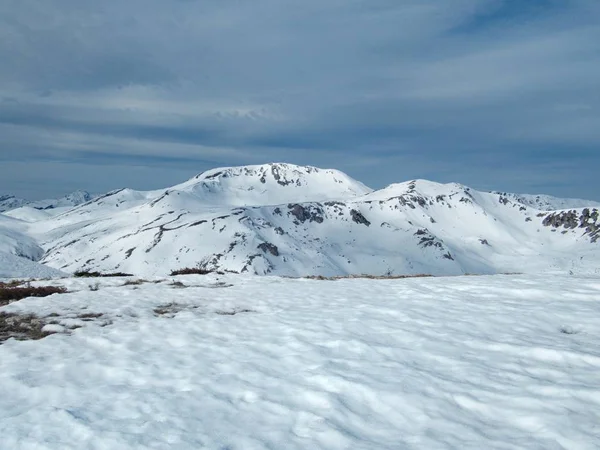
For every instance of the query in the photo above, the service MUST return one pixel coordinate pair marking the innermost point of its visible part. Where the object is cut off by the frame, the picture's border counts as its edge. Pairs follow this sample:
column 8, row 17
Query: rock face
column 270, row 220
column 586, row 220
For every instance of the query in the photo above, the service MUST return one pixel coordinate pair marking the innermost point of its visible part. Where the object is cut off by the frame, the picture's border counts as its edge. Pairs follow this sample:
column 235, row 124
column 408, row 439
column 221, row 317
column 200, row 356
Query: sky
column 494, row 94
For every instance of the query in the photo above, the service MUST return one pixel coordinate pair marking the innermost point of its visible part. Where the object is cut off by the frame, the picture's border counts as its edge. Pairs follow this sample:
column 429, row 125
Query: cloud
column 469, row 90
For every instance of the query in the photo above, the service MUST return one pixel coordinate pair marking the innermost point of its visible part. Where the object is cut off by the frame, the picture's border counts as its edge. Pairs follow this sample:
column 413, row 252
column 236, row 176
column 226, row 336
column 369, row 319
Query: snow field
column 272, row 363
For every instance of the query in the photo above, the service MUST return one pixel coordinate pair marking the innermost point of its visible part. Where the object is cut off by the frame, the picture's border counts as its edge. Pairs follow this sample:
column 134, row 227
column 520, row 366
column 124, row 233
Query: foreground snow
column 466, row 362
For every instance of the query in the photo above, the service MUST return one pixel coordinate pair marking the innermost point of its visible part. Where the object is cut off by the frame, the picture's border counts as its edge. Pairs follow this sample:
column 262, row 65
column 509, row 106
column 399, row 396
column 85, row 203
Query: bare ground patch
column 136, row 282
column 21, row 327
column 170, row 310
column 368, row 277
column 13, row 294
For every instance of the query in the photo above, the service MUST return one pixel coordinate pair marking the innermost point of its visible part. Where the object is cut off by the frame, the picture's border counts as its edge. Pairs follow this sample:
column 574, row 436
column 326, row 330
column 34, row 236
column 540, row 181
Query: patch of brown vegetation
column 13, row 283
column 88, row 317
column 12, row 294
column 191, row 271
column 170, row 309
column 233, row 312
column 137, row 282
column 369, row 277
column 21, row 327
column 89, row 274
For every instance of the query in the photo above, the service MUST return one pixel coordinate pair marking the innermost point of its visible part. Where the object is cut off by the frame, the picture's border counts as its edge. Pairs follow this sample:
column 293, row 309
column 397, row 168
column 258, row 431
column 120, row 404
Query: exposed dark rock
column 214, row 175
column 250, row 261
column 359, row 218
column 159, row 199
column 586, row 220
column 430, row 241
column 195, row 224
column 567, row 219
column 309, row 213
column 268, row 247
column 279, row 178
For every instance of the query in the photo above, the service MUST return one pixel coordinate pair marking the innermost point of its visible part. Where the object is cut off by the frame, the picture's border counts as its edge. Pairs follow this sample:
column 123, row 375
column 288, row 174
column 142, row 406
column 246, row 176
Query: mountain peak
column 283, row 173
column 274, row 183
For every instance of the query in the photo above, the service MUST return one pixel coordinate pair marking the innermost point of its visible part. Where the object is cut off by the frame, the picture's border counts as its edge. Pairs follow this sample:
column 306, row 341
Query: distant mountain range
column 10, row 202
column 291, row 220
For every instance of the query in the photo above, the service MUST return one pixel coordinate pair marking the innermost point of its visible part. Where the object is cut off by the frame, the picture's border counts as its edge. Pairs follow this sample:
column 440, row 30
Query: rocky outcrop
column 586, row 219
column 303, row 213
column 267, row 247
column 359, row 218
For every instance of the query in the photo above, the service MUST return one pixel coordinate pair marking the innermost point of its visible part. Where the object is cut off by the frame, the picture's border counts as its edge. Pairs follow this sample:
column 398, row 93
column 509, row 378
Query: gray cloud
column 492, row 93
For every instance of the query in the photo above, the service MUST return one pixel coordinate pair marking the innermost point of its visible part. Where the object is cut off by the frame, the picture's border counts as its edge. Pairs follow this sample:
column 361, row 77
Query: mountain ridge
column 268, row 220
column 11, row 202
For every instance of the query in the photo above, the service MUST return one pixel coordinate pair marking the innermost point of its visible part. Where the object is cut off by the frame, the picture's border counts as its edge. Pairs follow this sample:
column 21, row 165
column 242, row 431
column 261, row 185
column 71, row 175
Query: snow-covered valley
column 243, row 362
column 290, row 220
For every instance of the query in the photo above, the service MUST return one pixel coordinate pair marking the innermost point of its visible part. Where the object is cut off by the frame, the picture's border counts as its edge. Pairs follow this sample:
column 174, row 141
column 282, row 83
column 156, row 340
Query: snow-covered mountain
column 549, row 203
column 9, row 202
column 290, row 220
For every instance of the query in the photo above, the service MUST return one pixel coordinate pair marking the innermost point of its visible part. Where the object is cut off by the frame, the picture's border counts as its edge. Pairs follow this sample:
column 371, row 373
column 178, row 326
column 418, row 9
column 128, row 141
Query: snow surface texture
column 289, row 220
column 491, row 362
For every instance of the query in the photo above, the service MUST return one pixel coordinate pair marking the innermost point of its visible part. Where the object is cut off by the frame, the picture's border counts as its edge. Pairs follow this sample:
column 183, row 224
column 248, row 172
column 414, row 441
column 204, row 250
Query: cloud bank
column 145, row 93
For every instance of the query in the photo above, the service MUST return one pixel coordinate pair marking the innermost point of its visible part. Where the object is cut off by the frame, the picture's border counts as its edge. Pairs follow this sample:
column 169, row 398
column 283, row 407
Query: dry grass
column 13, row 283
column 137, row 282
column 21, row 327
column 12, row 294
column 393, row 277
column 233, row 312
column 369, row 277
column 191, row 271
column 171, row 309
column 89, row 274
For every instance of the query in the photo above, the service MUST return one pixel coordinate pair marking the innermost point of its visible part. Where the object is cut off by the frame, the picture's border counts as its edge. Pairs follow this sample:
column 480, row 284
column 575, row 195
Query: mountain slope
column 19, row 252
column 230, row 219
